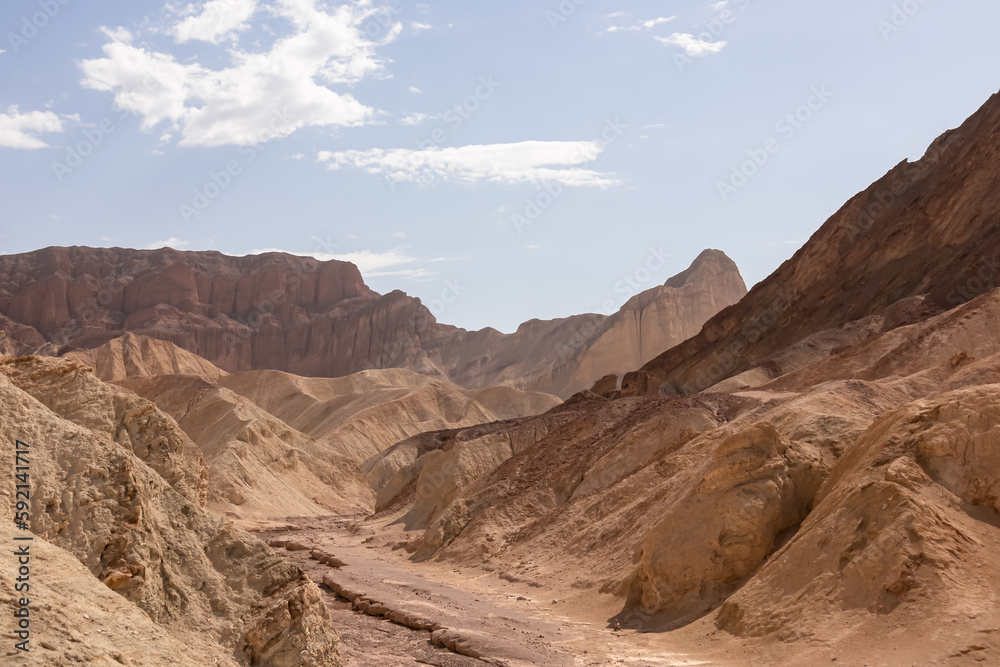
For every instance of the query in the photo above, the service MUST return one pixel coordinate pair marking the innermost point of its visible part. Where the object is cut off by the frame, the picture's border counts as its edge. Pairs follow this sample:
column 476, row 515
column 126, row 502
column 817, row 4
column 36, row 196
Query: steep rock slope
column 648, row 324
column 928, row 227
column 132, row 355
column 115, row 483
column 837, row 485
column 857, row 495
column 362, row 414
column 312, row 318
column 259, row 466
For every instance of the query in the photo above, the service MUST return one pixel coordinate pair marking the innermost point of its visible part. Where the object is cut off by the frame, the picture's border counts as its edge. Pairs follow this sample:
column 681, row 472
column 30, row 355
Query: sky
column 502, row 161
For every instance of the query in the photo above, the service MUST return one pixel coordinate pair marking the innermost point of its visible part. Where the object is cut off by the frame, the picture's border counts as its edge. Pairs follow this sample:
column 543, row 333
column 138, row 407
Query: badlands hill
column 319, row 319
column 139, row 356
column 278, row 445
column 833, row 495
column 927, row 228
column 128, row 567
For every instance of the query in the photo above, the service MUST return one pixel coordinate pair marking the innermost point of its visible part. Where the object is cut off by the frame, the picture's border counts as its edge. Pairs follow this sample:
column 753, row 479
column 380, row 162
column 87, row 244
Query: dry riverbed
column 465, row 616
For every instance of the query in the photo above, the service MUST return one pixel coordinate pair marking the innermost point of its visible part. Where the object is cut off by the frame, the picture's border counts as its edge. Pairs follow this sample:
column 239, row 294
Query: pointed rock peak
column 710, row 262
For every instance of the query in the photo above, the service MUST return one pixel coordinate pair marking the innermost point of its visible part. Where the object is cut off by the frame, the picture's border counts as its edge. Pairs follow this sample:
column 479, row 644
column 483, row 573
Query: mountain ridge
column 318, row 318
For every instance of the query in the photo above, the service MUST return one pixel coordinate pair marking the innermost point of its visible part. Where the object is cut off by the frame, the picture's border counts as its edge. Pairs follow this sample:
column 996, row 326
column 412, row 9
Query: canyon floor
column 516, row 624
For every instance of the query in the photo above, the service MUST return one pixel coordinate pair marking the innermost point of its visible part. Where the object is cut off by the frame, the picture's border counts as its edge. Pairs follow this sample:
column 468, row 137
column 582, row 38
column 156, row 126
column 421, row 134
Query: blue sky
column 501, row 161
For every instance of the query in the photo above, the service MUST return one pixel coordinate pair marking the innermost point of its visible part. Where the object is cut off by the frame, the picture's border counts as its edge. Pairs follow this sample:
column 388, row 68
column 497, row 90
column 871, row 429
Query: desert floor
column 516, row 624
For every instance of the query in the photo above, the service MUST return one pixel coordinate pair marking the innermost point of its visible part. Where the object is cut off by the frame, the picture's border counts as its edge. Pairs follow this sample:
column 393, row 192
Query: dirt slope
column 119, row 487
column 928, row 227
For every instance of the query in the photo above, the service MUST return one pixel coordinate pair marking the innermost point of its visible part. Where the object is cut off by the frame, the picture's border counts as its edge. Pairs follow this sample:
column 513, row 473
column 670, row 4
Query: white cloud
column 645, row 25
column 415, row 91
column 412, row 274
column 20, row 130
column 400, row 235
column 2, row 51
column 652, row 23
column 719, row 6
column 373, row 263
column 368, row 262
column 297, row 156
column 691, row 45
column 414, row 119
column 218, row 20
column 525, row 162
column 417, row 26
column 263, row 94
column 172, row 242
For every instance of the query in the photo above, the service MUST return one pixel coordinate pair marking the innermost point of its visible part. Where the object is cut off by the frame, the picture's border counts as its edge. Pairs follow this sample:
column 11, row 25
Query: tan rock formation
column 259, row 466
column 138, row 356
column 262, row 468
column 898, row 529
column 920, row 229
column 318, row 319
column 361, row 415
column 118, row 485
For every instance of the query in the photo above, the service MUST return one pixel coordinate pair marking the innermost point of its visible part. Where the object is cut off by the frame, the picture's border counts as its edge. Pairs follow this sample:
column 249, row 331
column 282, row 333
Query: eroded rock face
column 894, row 529
column 118, row 485
column 918, row 230
column 757, row 485
column 311, row 318
column 259, row 466
column 142, row 356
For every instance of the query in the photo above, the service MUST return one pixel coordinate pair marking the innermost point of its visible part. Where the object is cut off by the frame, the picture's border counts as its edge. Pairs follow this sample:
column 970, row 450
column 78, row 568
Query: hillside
column 318, row 319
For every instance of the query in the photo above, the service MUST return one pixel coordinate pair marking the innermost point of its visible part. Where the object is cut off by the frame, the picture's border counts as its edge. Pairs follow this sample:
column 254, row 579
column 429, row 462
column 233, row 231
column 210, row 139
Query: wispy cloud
column 372, row 264
column 172, row 242
column 415, row 118
column 691, row 45
column 637, row 27
column 417, row 26
column 21, row 129
column 524, row 162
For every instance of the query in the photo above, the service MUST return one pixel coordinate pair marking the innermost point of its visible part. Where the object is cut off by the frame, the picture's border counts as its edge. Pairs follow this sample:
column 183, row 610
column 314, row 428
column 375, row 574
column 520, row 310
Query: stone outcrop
column 926, row 227
column 140, row 356
column 272, row 444
column 119, row 487
column 312, row 318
